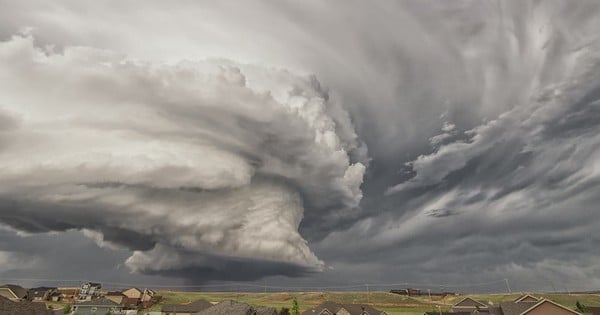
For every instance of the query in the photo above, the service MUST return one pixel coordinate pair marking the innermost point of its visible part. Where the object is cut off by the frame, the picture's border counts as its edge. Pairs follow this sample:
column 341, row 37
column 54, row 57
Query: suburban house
column 13, row 292
column 68, row 294
column 228, row 308
column 97, row 306
column 137, row 297
column 40, row 294
column 116, row 296
column 9, row 307
column 332, row 308
column 524, row 305
column 469, row 305
column 89, row 290
column 531, row 305
column 185, row 309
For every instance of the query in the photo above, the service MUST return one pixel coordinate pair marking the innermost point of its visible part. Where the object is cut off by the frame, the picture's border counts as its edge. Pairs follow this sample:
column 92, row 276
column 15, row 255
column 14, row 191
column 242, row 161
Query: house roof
column 114, row 293
column 133, row 288
column 469, row 302
column 8, row 307
column 527, row 298
column 545, row 301
column 98, row 302
column 515, row 308
column 358, row 309
column 333, row 308
column 266, row 311
column 228, row 308
column 18, row 290
column 195, row 306
column 39, row 292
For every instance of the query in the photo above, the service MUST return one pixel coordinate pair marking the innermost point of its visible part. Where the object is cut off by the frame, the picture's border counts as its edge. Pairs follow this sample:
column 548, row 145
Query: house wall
column 549, row 309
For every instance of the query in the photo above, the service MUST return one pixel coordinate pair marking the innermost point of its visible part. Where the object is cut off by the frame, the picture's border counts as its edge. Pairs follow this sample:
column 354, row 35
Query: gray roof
column 38, row 292
column 98, row 302
column 266, row 311
column 228, row 308
column 18, row 290
column 8, row 307
column 193, row 307
column 335, row 307
column 512, row 308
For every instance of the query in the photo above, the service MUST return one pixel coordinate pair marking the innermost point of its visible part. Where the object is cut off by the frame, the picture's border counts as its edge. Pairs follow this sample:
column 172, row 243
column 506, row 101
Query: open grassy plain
column 392, row 303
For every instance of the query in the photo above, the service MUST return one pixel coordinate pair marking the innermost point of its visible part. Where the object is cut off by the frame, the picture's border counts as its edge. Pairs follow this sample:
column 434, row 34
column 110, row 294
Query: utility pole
column 429, row 291
column 507, row 285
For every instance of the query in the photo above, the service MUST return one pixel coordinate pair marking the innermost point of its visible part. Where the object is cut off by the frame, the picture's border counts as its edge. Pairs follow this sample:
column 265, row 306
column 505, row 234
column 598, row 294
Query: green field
column 392, row 303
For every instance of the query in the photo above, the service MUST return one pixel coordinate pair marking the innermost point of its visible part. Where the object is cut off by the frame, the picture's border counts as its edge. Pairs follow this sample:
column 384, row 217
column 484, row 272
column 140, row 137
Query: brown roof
column 228, row 308
column 515, row 308
column 114, row 293
column 8, row 307
column 193, row 307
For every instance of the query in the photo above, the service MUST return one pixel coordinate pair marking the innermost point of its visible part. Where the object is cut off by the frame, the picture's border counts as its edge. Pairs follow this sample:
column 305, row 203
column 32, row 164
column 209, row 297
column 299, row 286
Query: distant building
column 97, row 306
column 13, row 292
column 332, row 308
column 89, row 291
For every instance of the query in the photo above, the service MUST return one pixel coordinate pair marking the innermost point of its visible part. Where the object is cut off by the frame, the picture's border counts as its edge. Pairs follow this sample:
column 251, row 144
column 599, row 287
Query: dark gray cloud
column 480, row 119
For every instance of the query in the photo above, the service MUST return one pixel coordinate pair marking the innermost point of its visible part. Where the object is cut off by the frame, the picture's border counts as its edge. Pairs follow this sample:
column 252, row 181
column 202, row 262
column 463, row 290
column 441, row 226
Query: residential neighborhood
column 90, row 299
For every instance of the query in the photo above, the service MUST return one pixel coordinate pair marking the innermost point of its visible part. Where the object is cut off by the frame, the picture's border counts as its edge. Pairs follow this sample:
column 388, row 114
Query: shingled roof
column 8, row 307
column 515, row 308
column 193, row 307
column 18, row 290
column 334, row 308
column 228, row 308
column 266, row 311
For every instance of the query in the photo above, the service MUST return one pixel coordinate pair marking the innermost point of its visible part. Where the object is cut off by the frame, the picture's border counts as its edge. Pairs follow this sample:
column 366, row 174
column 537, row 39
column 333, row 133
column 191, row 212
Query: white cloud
column 211, row 157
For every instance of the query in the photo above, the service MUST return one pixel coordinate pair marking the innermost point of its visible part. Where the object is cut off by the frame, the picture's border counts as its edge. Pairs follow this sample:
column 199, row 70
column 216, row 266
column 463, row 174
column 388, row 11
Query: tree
column 67, row 309
column 581, row 307
column 295, row 310
column 284, row 311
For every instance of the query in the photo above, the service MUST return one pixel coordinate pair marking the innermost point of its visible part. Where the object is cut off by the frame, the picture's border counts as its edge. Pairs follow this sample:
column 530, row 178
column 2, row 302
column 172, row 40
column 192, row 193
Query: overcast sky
column 301, row 143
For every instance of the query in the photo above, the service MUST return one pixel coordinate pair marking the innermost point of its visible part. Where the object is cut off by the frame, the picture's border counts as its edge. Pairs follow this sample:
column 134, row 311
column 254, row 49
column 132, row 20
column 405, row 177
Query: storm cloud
column 369, row 142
